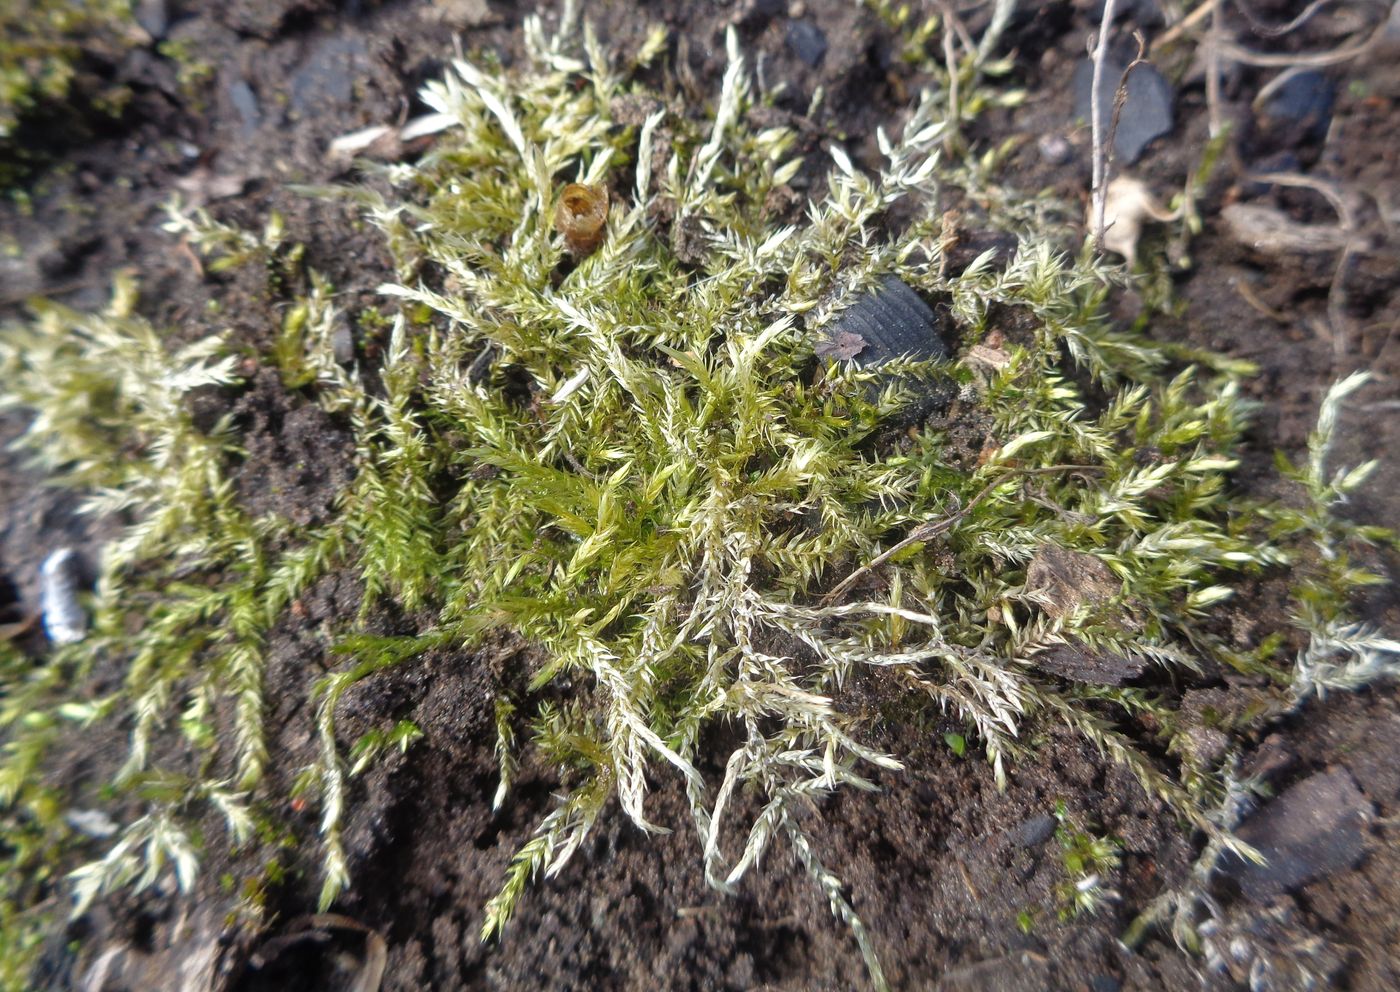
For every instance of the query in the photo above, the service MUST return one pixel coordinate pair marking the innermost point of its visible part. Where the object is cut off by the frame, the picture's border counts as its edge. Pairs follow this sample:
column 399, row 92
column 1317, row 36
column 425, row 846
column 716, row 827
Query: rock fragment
column 1147, row 106
column 1314, row 829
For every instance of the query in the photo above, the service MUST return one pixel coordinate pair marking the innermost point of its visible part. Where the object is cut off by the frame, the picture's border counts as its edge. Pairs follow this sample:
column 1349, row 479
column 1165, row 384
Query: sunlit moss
column 636, row 462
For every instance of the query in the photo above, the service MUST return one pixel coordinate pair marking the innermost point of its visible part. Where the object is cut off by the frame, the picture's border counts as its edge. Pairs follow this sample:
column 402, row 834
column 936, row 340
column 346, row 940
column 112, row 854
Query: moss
column 638, row 462
column 44, row 45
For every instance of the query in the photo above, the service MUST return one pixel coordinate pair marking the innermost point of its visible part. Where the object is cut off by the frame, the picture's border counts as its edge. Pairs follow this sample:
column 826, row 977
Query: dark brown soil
column 953, row 877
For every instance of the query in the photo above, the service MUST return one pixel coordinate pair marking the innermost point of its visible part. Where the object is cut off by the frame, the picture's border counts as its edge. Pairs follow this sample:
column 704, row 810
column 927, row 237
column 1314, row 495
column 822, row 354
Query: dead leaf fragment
column 1128, row 204
column 845, row 346
column 981, row 354
column 1061, row 580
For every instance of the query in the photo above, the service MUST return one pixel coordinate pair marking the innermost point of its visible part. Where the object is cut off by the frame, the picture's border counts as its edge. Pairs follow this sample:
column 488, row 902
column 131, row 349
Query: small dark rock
column 153, row 16
column 887, row 323
column 1080, row 663
column 893, row 322
column 1054, row 149
column 1310, row 831
column 807, row 42
column 1033, row 831
column 326, row 79
column 245, row 102
column 1147, row 108
column 342, row 344
column 1104, row 983
column 1304, row 104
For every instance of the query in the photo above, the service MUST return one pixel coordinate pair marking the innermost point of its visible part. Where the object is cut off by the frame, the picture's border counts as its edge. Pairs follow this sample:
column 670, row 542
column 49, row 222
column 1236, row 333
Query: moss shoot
column 636, row 460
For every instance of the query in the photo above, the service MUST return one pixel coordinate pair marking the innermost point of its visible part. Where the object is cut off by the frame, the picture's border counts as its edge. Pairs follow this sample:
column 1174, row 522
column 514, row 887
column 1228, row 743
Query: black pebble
column 1034, row 831
column 1305, row 102
column 807, row 42
column 1147, row 107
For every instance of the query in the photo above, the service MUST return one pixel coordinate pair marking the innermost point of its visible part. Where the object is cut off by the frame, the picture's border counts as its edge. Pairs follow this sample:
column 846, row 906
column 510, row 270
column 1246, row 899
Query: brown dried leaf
column 845, row 346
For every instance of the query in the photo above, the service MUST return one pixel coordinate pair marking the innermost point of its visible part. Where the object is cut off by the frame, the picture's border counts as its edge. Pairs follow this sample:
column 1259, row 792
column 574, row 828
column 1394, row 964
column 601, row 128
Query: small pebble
column 1315, row 828
column 245, row 101
column 153, row 16
column 1033, row 831
column 1147, row 107
column 1304, row 102
column 807, row 42
column 1054, row 148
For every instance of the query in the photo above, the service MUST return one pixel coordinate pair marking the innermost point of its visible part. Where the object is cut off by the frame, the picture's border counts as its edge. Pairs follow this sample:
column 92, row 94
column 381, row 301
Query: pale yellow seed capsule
column 582, row 217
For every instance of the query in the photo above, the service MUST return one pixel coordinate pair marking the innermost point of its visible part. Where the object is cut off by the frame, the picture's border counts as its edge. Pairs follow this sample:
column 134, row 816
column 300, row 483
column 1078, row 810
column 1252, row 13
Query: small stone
column 342, row 344
column 1147, row 107
column 1312, row 830
column 894, row 322
column 245, row 102
column 1033, row 831
column 1054, row 149
column 326, row 79
column 153, row 16
column 807, row 42
column 1079, row 663
column 1104, row 983
column 887, row 323
column 1304, row 104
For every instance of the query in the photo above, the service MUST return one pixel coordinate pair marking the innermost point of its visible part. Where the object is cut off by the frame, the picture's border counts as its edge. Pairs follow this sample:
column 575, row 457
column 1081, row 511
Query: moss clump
column 639, row 463
column 41, row 47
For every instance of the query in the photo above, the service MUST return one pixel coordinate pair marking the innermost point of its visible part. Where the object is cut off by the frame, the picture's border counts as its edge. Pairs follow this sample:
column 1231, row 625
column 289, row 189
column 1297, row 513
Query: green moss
column 42, row 48
column 636, row 462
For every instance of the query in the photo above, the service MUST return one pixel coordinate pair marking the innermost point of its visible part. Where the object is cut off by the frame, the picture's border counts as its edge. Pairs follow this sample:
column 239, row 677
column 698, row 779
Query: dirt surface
column 954, row 878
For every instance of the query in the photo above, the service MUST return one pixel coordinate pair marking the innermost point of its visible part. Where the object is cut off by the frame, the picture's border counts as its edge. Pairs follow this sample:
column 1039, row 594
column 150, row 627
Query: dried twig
column 1185, row 24
column 1096, row 122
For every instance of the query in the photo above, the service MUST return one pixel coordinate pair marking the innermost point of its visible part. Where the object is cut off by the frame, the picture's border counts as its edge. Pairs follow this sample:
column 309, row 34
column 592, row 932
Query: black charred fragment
column 894, row 322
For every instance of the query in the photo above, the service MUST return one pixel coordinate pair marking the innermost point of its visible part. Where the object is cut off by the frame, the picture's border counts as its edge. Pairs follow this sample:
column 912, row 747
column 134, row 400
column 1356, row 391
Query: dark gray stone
column 245, row 101
column 1080, row 663
column 807, row 42
column 153, row 16
column 891, row 322
column 326, row 79
column 1312, row 830
column 1305, row 102
column 1147, row 108
column 1033, row 831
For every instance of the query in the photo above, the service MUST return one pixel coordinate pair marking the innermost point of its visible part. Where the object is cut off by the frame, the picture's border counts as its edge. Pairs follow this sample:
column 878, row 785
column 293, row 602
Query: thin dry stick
column 935, row 527
column 1100, row 188
column 1261, row 27
column 1184, row 25
column 1213, row 37
column 1314, row 60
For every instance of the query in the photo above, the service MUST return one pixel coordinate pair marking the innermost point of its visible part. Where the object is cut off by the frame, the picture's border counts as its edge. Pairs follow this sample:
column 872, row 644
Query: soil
column 953, row 877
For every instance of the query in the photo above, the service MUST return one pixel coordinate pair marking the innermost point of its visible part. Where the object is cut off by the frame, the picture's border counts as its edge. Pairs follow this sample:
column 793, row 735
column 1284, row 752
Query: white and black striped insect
column 60, row 578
